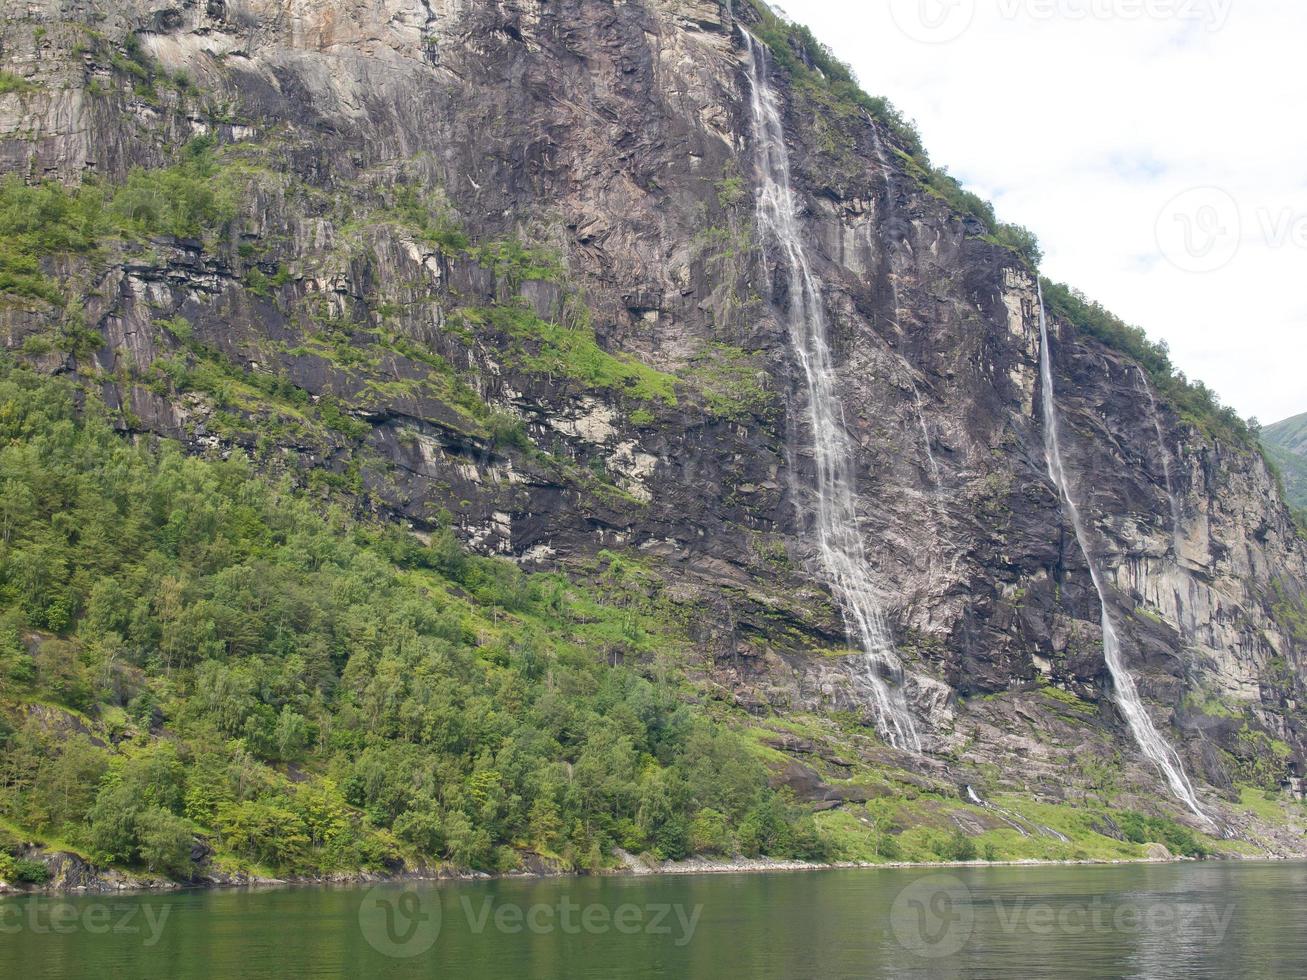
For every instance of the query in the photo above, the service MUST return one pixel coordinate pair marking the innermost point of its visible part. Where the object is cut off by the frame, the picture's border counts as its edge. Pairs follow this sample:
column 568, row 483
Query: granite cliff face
column 496, row 264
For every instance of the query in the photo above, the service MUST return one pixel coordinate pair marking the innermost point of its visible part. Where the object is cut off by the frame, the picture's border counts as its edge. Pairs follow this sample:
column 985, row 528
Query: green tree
column 421, row 828
column 263, row 832
column 709, row 833
column 164, row 842
column 466, row 844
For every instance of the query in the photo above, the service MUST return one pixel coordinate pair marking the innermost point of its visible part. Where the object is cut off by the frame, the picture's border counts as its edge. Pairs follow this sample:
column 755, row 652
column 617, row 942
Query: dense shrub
column 957, row 846
column 31, row 872
column 1141, row 829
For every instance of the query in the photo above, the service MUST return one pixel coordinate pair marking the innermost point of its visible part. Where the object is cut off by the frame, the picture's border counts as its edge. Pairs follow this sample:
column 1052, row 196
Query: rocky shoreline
column 71, row 874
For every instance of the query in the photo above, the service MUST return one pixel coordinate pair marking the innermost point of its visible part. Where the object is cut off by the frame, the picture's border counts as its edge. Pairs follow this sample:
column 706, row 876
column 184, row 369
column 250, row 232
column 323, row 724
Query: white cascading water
column 835, row 513
column 1166, row 462
column 1156, row 748
column 925, row 437
column 936, row 554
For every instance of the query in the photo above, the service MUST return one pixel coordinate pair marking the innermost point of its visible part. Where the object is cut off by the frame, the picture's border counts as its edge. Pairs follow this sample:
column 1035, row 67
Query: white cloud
column 1085, row 119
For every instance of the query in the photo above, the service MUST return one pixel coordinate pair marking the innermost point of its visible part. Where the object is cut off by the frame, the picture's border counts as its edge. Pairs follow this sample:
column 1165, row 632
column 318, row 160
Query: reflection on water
column 1208, row 920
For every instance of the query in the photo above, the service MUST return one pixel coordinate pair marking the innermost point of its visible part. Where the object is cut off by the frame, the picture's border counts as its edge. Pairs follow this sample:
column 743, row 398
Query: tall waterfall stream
column 1156, row 748
column 834, row 508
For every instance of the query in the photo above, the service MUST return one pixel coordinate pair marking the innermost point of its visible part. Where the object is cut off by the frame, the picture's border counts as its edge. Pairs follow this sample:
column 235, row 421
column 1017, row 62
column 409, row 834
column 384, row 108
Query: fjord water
column 1154, row 746
column 1193, row 920
column 834, row 516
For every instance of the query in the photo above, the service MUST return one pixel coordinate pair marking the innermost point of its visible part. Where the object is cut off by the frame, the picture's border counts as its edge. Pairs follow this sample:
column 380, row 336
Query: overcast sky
column 1157, row 147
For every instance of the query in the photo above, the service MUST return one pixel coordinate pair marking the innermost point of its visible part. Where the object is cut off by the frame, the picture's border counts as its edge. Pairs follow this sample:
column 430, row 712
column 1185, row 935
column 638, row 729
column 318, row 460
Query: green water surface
column 1197, row 920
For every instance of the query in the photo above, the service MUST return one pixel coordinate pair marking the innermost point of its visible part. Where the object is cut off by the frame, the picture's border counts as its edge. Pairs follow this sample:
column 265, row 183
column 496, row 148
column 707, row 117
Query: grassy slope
column 910, row 819
column 1291, row 434
column 1286, row 444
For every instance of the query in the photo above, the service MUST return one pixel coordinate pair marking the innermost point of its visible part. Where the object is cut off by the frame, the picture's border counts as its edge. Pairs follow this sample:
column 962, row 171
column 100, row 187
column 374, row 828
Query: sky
column 1156, row 147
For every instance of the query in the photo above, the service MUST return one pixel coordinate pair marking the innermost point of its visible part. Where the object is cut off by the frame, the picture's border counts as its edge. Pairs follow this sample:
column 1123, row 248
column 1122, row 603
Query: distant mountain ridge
column 1286, row 444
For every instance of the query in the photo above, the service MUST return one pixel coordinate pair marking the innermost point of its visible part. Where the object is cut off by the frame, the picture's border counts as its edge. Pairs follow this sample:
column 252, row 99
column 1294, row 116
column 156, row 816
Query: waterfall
column 936, row 555
column 1008, row 817
column 889, row 204
column 1166, row 462
column 887, row 218
column 925, row 438
column 894, row 289
column 1145, row 733
column 834, row 512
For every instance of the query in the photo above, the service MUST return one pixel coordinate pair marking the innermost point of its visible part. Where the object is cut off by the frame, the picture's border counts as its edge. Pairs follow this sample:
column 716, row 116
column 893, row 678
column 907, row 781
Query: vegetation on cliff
column 1286, row 445
column 188, row 650
column 1193, row 401
column 48, row 219
column 199, row 665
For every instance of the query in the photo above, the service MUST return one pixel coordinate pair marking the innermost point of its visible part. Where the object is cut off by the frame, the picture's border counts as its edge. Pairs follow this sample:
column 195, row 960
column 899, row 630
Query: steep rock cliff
column 495, row 264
